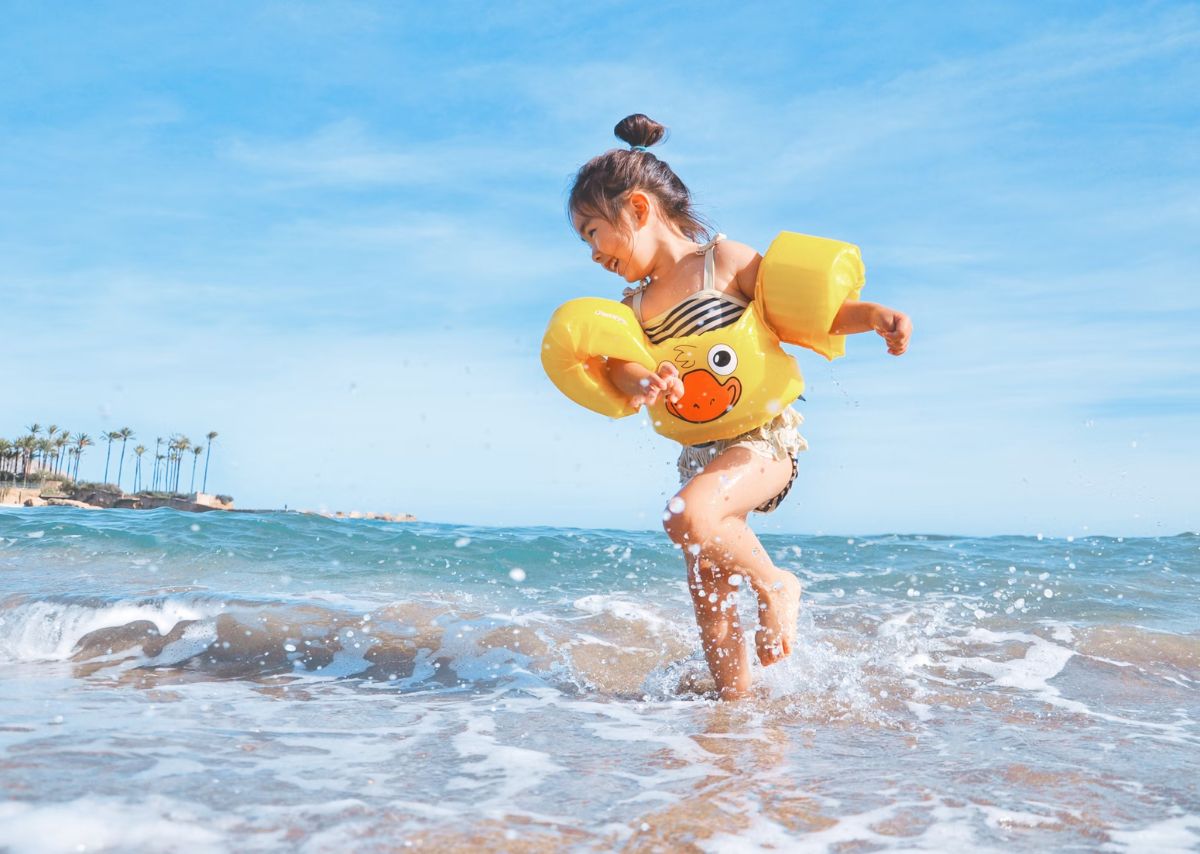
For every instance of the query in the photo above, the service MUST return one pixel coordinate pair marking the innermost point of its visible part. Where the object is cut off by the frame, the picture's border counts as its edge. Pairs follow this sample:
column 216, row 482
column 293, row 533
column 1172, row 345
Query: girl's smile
column 611, row 248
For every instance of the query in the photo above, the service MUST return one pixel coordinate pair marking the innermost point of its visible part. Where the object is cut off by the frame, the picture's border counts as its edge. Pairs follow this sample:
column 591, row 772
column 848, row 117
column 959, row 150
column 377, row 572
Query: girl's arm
column 894, row 326
column 641, row 386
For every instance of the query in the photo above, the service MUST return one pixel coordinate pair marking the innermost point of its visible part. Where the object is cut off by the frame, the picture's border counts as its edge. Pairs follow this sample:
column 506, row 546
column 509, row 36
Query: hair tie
column 638, row 148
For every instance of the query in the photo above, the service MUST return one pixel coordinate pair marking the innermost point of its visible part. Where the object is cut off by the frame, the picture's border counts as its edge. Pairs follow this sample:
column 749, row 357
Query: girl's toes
column 769, row 647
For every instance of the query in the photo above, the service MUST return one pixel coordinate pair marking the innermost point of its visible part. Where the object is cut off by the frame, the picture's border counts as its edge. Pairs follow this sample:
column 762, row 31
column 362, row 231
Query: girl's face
column 615, row 246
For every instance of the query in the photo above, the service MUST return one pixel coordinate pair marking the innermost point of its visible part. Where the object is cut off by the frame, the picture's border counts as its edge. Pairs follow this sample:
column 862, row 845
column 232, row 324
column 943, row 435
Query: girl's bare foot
column 778, row 610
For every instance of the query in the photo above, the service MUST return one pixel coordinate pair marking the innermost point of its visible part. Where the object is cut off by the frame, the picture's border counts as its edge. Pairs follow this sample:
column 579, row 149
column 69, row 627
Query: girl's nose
column 596, row 256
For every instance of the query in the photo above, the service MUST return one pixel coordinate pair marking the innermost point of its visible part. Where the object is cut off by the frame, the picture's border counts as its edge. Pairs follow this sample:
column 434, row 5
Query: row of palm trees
column 58, row 452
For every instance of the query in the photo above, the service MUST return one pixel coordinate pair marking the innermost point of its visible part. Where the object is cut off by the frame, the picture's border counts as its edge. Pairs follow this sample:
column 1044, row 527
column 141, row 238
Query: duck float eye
column 722, row 360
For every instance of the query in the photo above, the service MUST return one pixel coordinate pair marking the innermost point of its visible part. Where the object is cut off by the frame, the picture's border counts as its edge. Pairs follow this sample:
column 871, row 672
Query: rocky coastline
column 110, row 499
column 195, row 502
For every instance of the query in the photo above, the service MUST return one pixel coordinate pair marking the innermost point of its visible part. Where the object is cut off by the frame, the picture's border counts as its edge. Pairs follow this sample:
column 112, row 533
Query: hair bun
column 640, row 129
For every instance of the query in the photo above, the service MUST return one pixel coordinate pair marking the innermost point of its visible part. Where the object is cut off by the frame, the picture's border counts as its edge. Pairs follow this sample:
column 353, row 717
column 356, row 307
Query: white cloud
column 337, row 154
column 346, row 154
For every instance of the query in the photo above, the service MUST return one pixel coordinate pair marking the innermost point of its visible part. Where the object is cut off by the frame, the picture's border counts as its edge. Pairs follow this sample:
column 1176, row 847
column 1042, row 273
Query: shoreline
column 196, row 502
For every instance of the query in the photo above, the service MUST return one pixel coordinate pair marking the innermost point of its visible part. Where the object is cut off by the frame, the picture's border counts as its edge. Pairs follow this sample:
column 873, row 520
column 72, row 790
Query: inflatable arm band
column 582, row 335
column 802, row 283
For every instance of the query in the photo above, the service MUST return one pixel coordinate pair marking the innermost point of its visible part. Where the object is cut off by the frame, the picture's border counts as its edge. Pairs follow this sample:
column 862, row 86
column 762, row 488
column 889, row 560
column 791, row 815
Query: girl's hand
column 894, row 326
column 644, row 386
column 665, row 382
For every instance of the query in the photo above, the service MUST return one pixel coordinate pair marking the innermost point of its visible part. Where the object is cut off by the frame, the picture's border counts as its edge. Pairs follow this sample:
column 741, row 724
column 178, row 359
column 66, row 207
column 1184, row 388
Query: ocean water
column 258, row 682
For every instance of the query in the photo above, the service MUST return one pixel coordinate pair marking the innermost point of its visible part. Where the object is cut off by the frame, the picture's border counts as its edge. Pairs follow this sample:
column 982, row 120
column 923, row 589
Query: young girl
column 636, row 216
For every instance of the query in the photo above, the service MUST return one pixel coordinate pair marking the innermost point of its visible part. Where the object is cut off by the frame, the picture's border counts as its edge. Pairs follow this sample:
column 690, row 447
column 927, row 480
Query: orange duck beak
column 705, row 398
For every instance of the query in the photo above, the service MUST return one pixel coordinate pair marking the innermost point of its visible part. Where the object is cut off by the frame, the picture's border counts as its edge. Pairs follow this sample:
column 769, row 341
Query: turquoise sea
column 263, row 682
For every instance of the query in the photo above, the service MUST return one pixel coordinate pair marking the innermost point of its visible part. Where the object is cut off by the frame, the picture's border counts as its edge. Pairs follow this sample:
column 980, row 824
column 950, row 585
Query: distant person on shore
column 636, row 217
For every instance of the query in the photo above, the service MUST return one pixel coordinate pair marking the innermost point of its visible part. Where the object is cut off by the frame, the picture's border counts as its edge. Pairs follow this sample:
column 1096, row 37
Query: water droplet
column 462, row 542
column 516, row 574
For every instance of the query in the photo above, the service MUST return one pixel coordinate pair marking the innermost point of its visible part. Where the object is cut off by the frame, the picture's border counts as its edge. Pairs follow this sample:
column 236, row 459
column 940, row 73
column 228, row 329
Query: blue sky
column 334, row 232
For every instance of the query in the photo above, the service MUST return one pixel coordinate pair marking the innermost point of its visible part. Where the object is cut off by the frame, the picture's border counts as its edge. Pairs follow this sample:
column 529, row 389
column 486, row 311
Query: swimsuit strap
column 636, row 303
column 717, row 238
column 708, row 250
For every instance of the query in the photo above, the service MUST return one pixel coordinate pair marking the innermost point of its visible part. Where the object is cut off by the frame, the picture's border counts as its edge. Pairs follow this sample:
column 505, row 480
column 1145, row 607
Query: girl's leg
column 712, row 530
column 714, row 599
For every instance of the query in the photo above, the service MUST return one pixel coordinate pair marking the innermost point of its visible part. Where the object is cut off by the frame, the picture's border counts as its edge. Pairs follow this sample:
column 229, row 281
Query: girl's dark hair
column 602, row 184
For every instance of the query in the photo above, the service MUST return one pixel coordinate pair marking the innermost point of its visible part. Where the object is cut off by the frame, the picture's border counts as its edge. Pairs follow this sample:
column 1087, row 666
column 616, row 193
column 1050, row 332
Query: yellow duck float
column 735, row 378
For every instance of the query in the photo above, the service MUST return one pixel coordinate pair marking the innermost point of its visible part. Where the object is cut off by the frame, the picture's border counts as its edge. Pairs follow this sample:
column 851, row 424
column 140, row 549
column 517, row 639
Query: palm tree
column 210, row 436
column 137, row 469
column 27, row 445
column 125, row 434
column 51, row 456
column 8, row 456
column 82, row 440
column 110, row 437
column 196, row 452
column 44, row 448
column 157, row 458
column 175, row 451
column 172, row 455
column 34, row 429
column 59, row 444
column 184, row 445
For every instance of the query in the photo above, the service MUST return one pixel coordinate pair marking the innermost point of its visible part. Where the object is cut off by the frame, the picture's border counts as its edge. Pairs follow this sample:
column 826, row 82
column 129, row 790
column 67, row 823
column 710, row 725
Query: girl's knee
column 688, row 526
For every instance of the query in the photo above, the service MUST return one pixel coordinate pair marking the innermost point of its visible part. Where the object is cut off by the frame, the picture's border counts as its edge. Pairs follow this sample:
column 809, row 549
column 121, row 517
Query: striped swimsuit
column 704, row 311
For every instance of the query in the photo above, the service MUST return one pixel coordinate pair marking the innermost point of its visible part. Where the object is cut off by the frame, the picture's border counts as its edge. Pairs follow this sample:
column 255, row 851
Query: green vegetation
column 51, row 454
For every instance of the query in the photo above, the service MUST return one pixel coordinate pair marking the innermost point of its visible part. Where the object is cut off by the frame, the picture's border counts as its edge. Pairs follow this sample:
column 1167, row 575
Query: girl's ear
column 639, row 206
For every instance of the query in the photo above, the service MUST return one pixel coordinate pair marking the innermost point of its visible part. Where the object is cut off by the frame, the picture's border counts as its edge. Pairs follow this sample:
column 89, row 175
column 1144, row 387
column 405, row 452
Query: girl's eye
column 722, row 360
